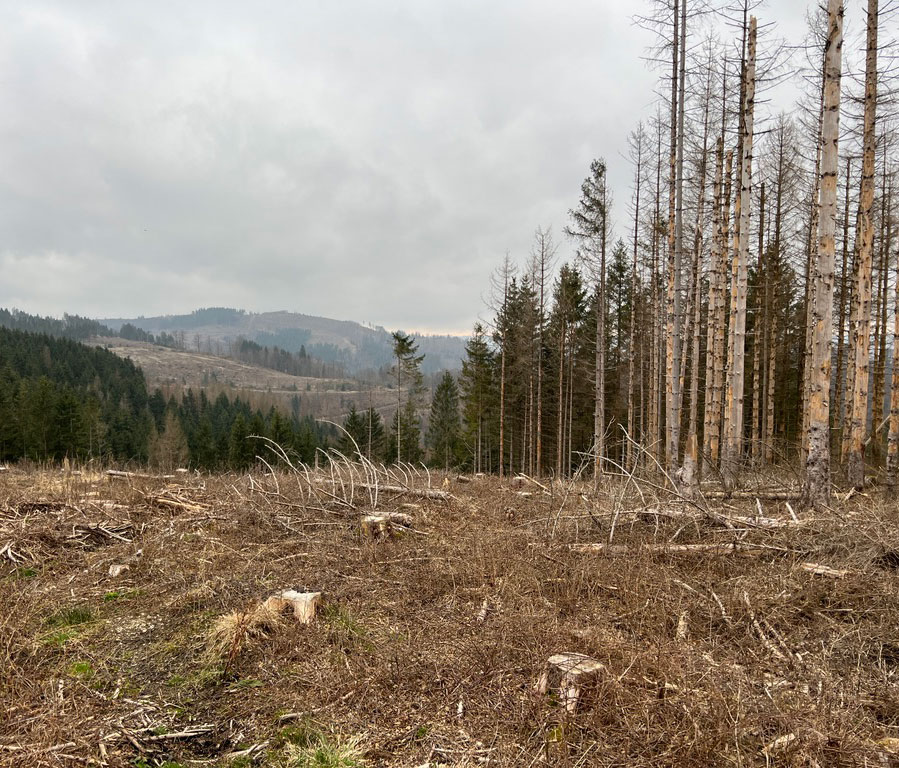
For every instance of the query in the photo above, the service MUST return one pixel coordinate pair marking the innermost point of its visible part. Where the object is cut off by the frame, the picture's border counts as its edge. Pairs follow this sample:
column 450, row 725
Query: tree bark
column 816, row 490
column 736, row 374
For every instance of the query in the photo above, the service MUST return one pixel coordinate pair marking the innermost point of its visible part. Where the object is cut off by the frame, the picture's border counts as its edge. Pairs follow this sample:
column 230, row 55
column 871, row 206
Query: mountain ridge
column 356, row 346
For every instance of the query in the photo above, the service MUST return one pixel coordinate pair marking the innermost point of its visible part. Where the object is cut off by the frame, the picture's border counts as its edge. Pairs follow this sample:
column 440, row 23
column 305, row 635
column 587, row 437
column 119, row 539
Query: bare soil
column 430, row 641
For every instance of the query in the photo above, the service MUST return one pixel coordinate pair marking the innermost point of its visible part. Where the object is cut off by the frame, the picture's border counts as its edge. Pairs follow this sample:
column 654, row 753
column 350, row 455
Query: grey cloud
column 361, row 160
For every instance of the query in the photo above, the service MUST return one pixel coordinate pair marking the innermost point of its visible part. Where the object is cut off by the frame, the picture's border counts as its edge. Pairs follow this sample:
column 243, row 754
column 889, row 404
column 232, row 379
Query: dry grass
column 430, row 641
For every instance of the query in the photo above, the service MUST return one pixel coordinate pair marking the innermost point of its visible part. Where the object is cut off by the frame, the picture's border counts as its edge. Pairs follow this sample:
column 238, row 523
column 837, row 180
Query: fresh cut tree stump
column 374, row 526
column 303, row 604
column 568, row 673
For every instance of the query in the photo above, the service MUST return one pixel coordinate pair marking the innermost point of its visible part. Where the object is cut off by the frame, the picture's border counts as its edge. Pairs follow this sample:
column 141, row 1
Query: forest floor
column 131, row 632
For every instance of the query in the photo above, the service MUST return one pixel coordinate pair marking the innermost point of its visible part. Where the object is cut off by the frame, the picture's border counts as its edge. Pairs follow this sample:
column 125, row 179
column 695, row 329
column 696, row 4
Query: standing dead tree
column 816, row 489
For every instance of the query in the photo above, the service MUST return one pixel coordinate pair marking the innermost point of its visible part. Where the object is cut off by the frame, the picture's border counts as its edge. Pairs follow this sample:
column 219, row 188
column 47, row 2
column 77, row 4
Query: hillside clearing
column 428, row 642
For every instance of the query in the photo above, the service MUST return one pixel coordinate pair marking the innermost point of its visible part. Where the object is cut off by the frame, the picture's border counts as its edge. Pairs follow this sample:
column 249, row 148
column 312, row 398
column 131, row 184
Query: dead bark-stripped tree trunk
column 711, row 421
column 655, row 395
column 758, row 334
column 672, row 301
column 506, row 272
column 879, row 348
column 723, row 349
column 631, row 348
column 839, row 395
column 560, row 434
column 816, row 490
column 691, row 457
column 736, row 374
column 893, row 436
column 599, row 408
column 540, row 323
column 859, row 355
column 774, row 260
column 810, row 285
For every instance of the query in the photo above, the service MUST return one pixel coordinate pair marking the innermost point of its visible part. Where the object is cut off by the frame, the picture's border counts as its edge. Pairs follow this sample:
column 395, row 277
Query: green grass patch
column 322, row 752
column 81, row 670
column 71, row 617
column 23, row 574
column 59, row 638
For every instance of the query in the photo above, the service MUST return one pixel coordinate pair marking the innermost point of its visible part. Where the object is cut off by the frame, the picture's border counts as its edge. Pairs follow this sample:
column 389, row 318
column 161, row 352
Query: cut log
column 518, row 482
column 141, row 475
column 568, row 673
column 463, row 479
column 824, row 570
column 401, row 518
column 117, row 569
column 620, row 550
column 302, row 604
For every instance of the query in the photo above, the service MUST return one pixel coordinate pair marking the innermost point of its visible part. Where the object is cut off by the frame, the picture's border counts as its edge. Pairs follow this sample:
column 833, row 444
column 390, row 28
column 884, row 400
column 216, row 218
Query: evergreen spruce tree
column 355, row 433
column 476, row 385
column 240, row 452
column 445, row 428
column 373, row 434
column 406, row 368
column 405, row 435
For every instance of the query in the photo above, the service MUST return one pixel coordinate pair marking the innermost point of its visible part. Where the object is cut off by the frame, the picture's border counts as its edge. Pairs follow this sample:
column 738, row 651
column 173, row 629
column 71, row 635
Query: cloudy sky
column 355, row 159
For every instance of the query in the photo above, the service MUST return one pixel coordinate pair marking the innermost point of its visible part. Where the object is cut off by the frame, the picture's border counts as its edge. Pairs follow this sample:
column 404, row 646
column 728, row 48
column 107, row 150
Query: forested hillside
column 62, row 399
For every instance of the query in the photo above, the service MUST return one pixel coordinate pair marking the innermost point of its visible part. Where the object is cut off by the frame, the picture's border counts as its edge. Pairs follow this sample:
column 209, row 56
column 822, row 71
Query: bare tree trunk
column 859, row 355
column 772, row 303
column 893, row 437
column 691, row 457
column 722, row 356
column 839, row 395
column 810, row 284
column 711, row 421
column 880, row 314
column 816, row 491
column 672, row 356
column 599, row 416
column 560, row 434
column 655, row 374
column 736, row 375
column 758, row 335
column 631, row 349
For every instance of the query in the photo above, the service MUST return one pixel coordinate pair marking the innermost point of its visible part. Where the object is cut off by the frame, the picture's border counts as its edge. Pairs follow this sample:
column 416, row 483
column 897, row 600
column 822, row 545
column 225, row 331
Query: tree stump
column 568, row 673
column 374, row 526
column 303, row 604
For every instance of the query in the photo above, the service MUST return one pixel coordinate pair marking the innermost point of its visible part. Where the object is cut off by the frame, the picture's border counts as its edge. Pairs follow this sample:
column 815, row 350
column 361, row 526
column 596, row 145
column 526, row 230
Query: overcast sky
column 361, row 160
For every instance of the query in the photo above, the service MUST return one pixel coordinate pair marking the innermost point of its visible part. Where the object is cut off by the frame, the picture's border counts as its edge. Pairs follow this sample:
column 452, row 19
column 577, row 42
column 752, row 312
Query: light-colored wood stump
column 374, row 526
column 568, row 673
column 302, row 604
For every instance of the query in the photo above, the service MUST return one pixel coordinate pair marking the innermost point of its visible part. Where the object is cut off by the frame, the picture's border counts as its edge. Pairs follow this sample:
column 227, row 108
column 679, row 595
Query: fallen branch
column 824, row 570
column 621, row 550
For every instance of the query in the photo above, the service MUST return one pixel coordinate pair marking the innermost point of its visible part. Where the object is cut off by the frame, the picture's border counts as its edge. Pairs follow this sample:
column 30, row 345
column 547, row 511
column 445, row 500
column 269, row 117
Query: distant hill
column 357, row 347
